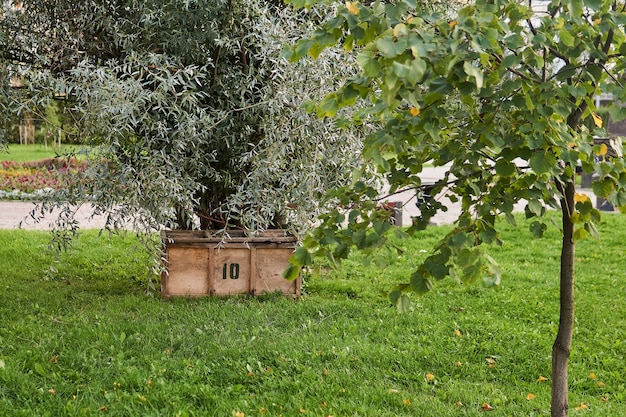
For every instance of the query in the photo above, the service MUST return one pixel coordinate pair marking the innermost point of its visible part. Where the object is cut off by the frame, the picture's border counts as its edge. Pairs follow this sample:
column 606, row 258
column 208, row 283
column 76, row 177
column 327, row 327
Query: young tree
column 501, row 92
column 191, row 116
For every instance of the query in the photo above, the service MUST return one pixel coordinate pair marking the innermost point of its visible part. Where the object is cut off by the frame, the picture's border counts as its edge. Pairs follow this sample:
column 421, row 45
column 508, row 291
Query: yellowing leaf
column 582, row 406
column 580, row 198
column 452, row 23
column 429, row 377
column 592, row 375
column 457, row 333
column 601, row 384
column 486, row 407
column 597, row 120
column 541, row 378
column 603, row 150
column 414, row 111
column 531, row 397
column 352, row 7
column 458, row 404
column 406, row 402
column 399, row 30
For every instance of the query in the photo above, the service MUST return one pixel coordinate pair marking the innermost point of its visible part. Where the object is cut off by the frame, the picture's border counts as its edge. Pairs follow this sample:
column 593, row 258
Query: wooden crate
column 202, row 263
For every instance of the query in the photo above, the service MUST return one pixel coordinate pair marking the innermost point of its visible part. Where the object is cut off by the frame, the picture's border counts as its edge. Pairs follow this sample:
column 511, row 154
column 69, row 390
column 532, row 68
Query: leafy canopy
column 500, row 93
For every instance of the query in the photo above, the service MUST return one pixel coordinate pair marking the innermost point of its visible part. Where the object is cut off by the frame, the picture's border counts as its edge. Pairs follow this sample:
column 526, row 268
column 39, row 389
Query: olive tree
column 191, row 117
column 502, row 93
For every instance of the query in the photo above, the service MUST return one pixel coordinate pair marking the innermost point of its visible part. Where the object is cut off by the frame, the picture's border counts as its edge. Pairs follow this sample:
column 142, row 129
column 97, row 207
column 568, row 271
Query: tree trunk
column 562, row 344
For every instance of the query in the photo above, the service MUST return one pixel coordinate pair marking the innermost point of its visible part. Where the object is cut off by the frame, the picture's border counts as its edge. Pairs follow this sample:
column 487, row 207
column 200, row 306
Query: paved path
column 16, row 214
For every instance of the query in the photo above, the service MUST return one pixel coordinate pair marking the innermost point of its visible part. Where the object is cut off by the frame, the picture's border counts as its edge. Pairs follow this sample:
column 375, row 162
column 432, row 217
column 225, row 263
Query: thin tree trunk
column 563, row 342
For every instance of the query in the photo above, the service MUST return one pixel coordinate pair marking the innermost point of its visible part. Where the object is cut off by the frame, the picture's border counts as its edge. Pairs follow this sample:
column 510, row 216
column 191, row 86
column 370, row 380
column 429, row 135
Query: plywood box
column 202, row 263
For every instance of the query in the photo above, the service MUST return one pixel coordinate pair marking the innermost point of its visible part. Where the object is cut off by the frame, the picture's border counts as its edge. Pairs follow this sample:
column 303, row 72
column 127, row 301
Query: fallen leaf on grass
column 601, row 384
column 457, row 363
column 429, row 377
column 103, row 408
column 406, row 402
column 582, row 406
column 458, row 404
column 457, row 333
column 604, row 399
column 486, row 407
column 592, row 375
column 541, row 378
column 237, row 413
column 491, row 362
column 531, row 397
column 52, row 391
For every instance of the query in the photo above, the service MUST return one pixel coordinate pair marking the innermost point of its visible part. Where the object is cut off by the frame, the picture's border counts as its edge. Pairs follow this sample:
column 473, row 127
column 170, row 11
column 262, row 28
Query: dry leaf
column 541, row 378
column 52, row 391
column 531, row 397
column 604, row 399
column 262, row 410
column 597, row 120
column 429, row 377
column 491, row 362
column 486, row 407
column 352, row 7
column 457, row 363
column 406, row 402
column 103, row 408
column 582, row 406
column 326, row 372
column 237, row 413
column 457, row 333
column 592, row 375
column 601, row 384
column 580, row 198
column 458, row 404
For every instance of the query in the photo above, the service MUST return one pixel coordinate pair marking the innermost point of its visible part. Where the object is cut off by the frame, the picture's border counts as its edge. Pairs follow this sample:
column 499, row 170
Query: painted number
column 234, row 271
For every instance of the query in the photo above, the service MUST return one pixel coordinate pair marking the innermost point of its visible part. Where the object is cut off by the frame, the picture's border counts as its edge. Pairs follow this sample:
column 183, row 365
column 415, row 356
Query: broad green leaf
column 566, row 37
column 369, row 63
column 536, row 207
column 328, row 107
column 390, row 48
column 542, row 162
column 291, row 272
column 403, row 304
column 537, row 229
column 603, row 188
column 420, row 284
column 301, row 257
column 474, row 72
column 579, row 234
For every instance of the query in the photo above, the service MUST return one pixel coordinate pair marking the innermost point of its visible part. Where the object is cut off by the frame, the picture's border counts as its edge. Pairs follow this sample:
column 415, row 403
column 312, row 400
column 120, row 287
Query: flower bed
column 18, row 179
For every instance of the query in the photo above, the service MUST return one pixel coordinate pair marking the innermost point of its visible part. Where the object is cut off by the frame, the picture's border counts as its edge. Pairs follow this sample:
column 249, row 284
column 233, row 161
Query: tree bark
column 562, row 344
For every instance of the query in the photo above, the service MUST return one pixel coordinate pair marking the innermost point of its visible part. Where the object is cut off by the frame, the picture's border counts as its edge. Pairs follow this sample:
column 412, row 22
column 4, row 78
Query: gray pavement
column 16, row 214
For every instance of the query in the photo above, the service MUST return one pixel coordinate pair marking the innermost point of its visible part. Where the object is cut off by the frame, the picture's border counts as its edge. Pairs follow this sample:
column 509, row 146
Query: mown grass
column 32, row 152
column 86, row 340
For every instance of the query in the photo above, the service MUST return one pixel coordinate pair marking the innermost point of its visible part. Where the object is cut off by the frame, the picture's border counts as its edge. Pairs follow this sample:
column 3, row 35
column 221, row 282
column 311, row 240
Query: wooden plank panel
column 271, row 262
column 187, row 272
column 231, row 273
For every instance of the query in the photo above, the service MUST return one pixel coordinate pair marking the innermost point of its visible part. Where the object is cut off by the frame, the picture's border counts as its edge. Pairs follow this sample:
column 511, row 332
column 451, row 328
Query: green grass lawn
column 23, row 153
column 84, row 339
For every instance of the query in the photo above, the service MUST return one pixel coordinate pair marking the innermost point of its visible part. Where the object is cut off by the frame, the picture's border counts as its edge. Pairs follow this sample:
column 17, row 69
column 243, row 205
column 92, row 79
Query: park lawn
column 33, row 152
column 81, row 337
